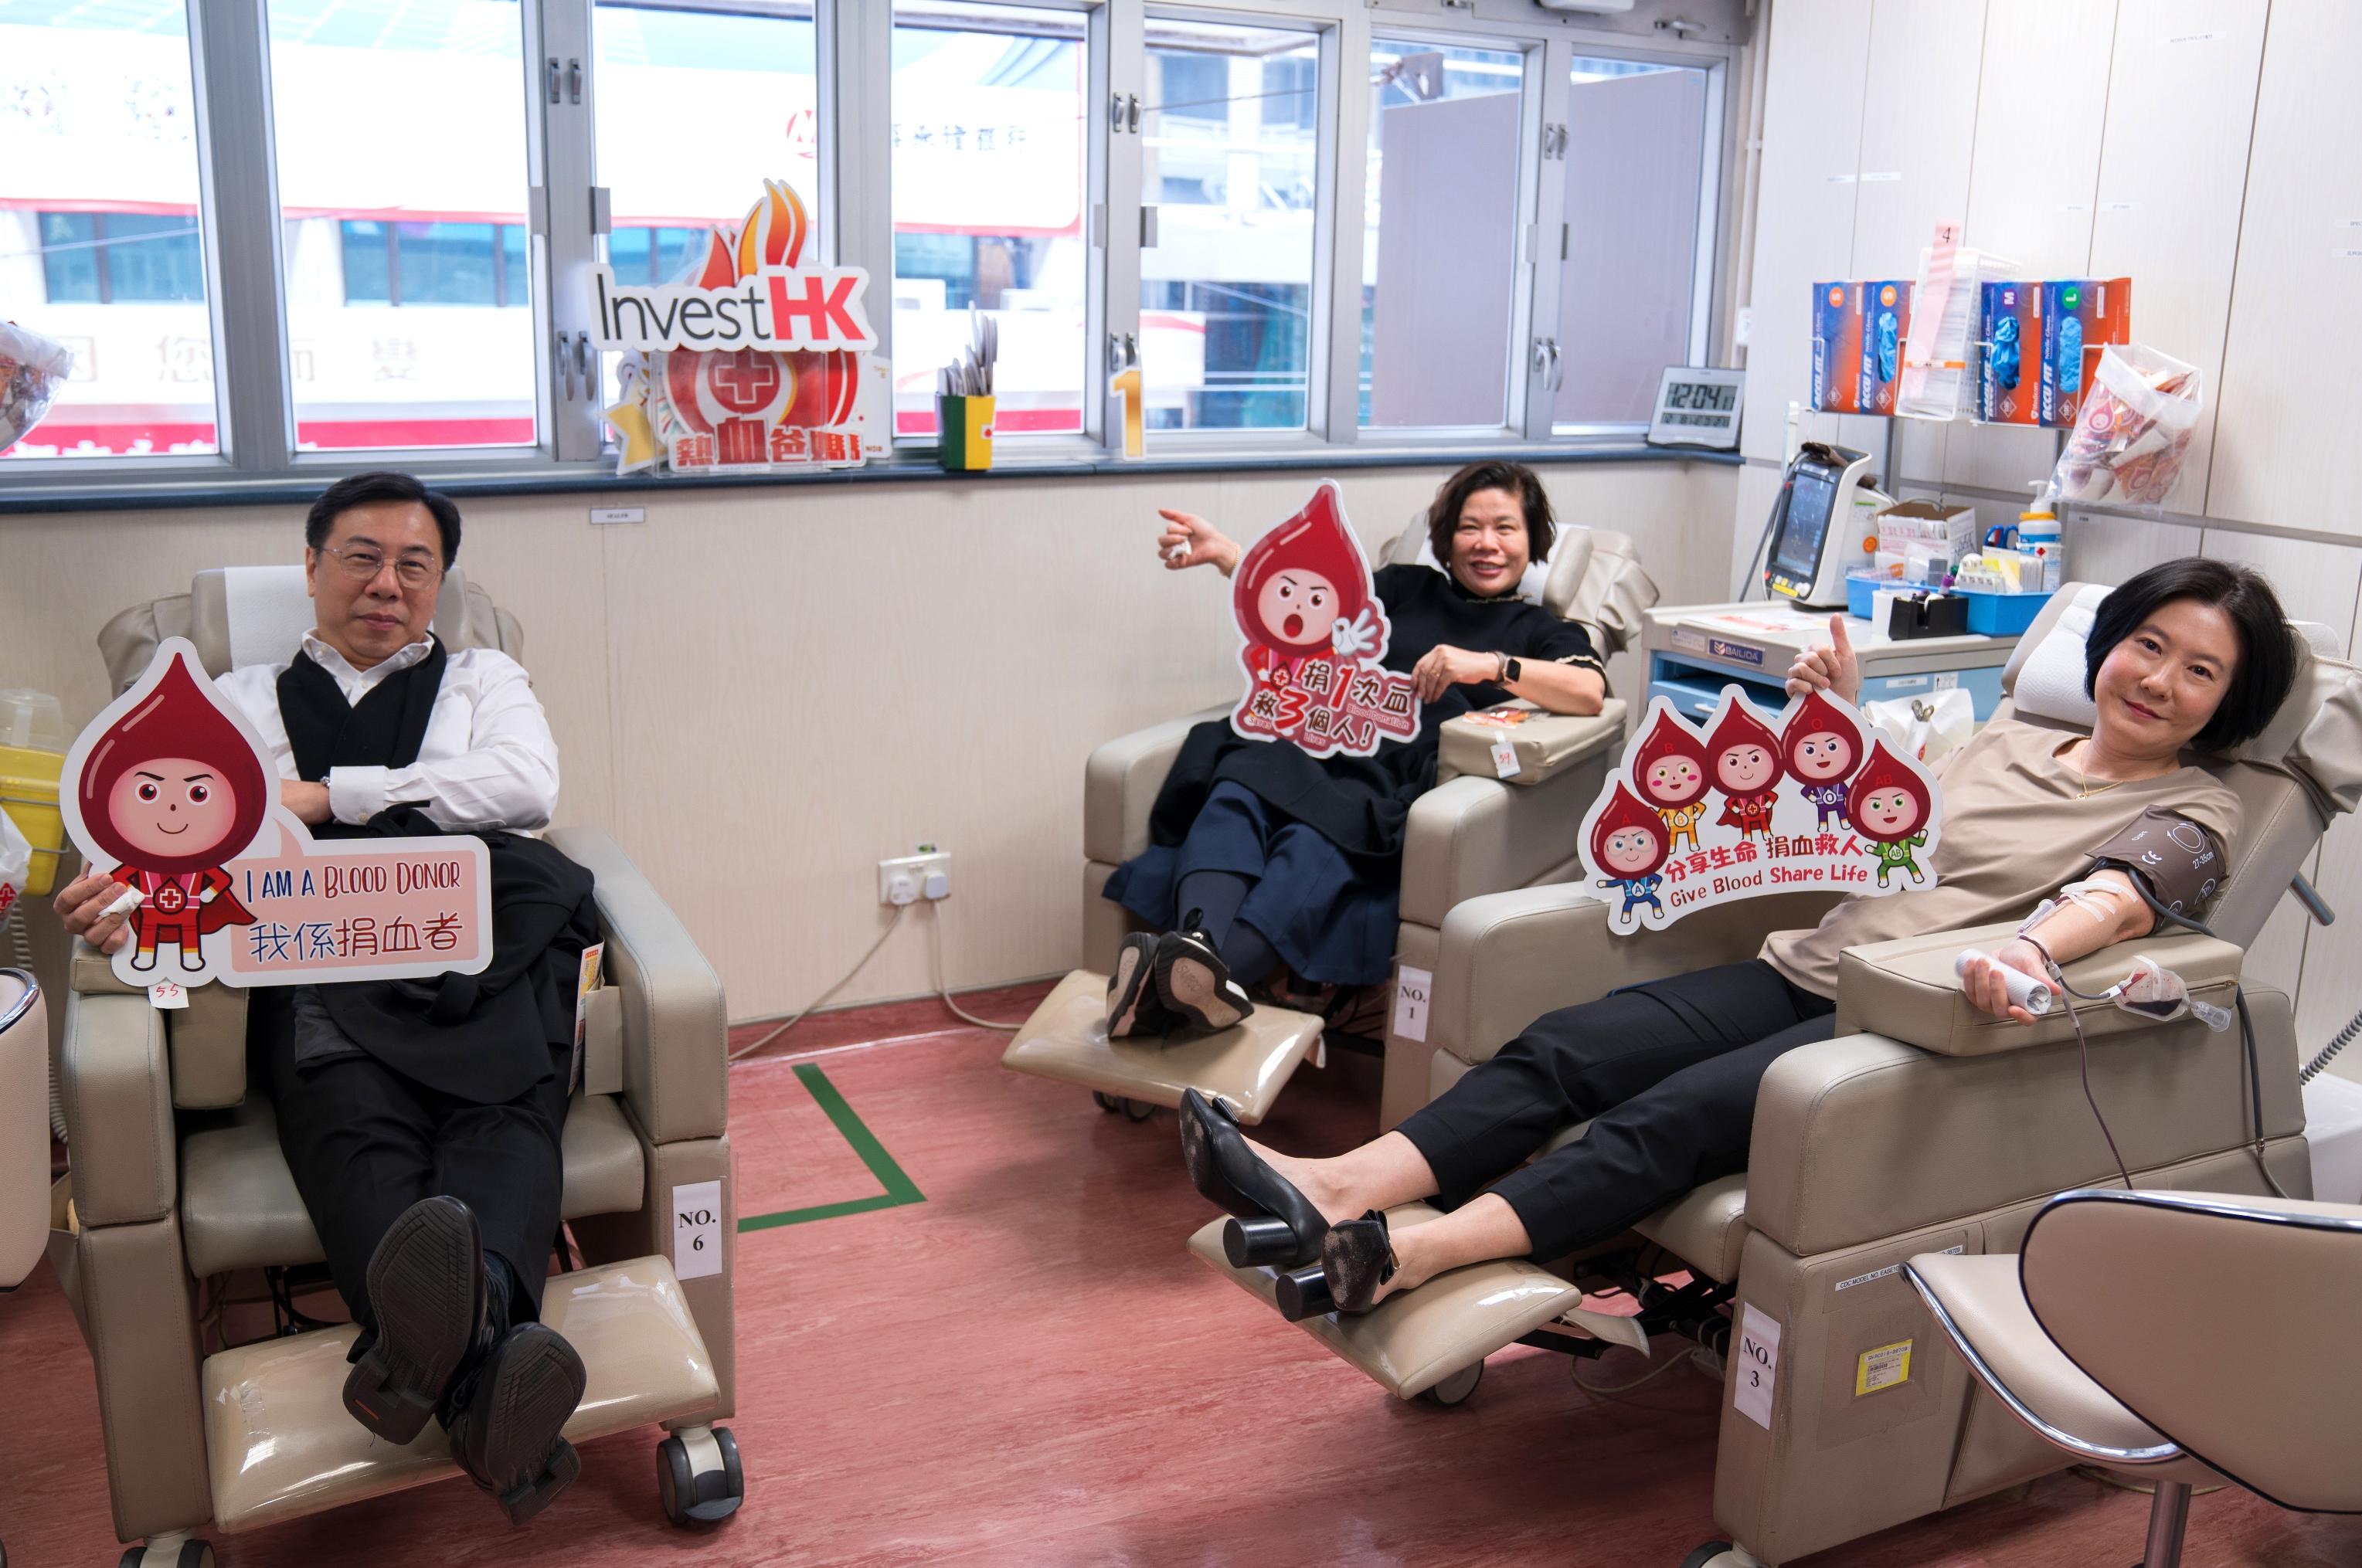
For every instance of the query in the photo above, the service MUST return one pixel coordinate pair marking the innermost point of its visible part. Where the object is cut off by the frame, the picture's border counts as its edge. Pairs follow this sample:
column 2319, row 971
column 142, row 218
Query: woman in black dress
column 1269, row 868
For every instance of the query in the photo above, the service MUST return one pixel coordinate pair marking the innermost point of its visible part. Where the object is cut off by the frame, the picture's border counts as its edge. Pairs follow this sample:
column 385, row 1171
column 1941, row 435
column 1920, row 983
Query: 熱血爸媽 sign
column 1755, row 804
column 751, row 361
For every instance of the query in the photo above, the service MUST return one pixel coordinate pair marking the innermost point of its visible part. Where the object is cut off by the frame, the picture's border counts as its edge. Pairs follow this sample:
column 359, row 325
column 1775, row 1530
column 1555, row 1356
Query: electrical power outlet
column 906, row 879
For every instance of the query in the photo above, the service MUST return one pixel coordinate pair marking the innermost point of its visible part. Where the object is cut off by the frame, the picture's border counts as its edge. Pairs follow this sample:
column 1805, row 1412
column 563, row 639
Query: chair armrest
column 1120, row 786
column 1546, row 744
column 1508, row 958
column 1475, row 836
column 206, row 1040
column 118, row 1102
column 1906, row 991
column 675, row 1024
column 1862, row 1137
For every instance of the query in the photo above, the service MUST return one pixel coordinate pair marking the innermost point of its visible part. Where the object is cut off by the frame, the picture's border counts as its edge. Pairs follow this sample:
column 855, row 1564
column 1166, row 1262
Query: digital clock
column 1697, row 406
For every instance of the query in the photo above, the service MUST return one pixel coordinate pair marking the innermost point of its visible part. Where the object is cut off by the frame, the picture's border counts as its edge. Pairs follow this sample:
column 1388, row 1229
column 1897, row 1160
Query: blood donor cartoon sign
column 173, row 794
column 1754, row 804
column 1315, row 636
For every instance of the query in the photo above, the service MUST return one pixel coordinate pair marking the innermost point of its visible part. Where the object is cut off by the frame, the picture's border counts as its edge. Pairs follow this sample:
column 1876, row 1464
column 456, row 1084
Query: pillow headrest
column 2048, row 680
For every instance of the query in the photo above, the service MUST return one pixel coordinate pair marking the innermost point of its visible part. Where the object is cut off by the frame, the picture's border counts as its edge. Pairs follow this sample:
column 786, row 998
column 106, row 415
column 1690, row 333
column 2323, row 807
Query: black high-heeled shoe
column 1356, row 1258
column 1193, row 981
column 1134, row 1009
column 1273, row 1225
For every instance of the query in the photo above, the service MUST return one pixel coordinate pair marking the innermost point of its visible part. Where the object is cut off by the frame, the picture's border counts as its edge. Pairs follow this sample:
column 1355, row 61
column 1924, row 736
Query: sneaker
column 1195, row 983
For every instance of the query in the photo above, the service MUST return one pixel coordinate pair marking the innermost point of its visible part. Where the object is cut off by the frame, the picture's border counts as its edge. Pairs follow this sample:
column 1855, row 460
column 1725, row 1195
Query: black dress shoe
column 1356, row 1258
column 506, row 1431
column 1134, row 1008
column 1275, row 1225
column 427, row 1291
column 1193, row 981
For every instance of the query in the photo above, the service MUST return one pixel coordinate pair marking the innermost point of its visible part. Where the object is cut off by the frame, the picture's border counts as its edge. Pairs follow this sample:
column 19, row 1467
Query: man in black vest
column 422, row 1119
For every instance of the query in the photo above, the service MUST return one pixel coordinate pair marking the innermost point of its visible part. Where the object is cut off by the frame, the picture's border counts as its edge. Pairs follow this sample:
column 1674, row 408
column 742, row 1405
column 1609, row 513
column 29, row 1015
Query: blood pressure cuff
column 2179, row 863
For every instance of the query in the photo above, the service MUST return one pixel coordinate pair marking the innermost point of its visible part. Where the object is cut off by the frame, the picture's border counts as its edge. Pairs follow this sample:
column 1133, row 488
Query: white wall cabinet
column 2286, row 451
column 2181, row 102
column 1804, row 225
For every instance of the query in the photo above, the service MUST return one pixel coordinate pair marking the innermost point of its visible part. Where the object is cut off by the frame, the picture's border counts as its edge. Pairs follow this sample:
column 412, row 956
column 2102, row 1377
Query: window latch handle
column 553, row 79
column 574, row 81
column 564, row 368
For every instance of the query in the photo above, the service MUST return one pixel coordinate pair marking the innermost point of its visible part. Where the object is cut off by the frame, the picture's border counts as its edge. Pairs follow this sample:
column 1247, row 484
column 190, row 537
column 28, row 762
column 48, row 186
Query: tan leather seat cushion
column 239, row 1208
column 1706, row 1230
column 1248, row 1065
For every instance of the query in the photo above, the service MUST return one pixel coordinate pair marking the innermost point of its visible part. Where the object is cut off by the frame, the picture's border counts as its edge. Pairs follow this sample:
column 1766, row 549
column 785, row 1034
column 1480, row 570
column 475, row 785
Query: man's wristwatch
column 1511, row 671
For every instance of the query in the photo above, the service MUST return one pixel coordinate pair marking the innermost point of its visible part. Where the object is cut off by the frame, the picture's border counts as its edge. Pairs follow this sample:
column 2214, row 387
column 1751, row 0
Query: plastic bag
column 1925, row 727
column 2134, row 426
column 32, row 367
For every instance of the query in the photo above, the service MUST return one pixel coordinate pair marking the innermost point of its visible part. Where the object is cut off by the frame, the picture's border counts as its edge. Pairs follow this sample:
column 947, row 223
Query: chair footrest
column 1411, row 1341
column 281, row 1445
column 1067, row 1039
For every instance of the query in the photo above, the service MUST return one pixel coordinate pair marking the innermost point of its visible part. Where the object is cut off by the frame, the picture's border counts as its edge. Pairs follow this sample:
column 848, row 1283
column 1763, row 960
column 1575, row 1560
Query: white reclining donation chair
column 179, row 1189
column 2098, row 1337
column 1472, row 833
column 1923, row 1127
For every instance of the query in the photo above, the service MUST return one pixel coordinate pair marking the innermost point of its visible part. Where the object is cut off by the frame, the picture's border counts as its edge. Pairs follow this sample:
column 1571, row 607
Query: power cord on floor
column 943, row 986
column 1615, row 1391
column 892, row 926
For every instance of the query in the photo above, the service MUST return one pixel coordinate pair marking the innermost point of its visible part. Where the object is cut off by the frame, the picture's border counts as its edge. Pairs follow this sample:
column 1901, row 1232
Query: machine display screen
column 1796, row 554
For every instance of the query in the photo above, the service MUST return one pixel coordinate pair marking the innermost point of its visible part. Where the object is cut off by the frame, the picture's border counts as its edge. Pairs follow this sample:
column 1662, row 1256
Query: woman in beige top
column 2191, row 655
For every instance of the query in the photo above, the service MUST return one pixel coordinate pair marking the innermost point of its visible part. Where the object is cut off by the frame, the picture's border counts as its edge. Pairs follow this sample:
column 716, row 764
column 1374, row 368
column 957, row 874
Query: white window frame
column 230, row 68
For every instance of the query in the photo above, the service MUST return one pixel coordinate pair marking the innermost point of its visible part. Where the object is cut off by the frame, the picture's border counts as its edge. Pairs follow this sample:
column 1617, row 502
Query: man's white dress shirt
column 488, row 761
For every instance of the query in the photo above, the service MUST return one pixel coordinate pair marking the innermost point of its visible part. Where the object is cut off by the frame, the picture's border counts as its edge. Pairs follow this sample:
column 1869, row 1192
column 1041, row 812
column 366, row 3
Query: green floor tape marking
column 899, row 1188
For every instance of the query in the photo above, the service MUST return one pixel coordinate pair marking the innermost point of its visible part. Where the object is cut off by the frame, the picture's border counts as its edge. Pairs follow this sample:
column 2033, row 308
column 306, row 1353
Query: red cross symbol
column 744, row 381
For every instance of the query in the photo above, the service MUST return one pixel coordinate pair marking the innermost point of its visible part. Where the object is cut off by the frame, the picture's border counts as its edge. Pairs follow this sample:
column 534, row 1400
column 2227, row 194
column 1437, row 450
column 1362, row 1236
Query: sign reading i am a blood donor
column 1315, row 634
column 754, row 360
column 1754, row 804
column 173, row 795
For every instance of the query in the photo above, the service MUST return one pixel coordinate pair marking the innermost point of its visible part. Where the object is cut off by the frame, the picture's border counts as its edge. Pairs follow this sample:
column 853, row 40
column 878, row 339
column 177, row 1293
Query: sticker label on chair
column 1412, row 989
column 697, row 1229
column 1505, row 759
column 1759, row 1366
column 1888, row 1367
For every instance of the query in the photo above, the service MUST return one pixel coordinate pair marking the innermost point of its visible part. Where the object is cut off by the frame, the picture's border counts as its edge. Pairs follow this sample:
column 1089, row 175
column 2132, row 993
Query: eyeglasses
column 362, row 565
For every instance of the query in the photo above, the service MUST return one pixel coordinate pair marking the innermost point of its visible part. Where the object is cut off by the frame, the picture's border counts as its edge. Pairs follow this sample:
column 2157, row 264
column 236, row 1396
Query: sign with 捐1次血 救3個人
column 1754, row 804
column 173, row 795
column 1314, row 639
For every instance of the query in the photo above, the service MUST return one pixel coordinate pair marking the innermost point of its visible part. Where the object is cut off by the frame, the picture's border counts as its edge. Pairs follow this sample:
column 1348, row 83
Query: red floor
column 1026, row 1368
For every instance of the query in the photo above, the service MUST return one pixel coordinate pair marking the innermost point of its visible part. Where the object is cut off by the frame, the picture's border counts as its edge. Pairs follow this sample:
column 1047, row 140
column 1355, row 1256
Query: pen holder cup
column 964, row 432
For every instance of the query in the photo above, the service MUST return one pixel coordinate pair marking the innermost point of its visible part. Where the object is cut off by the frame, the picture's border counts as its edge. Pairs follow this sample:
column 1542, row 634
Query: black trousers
column 1666, row 1073
column 364, row 1143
